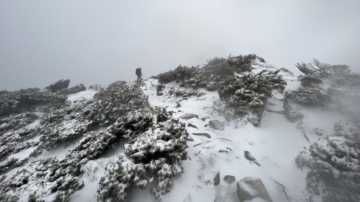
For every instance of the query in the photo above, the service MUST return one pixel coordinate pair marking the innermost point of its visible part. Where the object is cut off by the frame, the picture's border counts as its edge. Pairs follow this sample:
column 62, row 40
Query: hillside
column 235, row 129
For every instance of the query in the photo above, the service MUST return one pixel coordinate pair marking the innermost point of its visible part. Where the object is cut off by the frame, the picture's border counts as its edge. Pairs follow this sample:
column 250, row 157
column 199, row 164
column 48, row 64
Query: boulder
column 249, row 157
column 159, row 89
column 215, row 124
column 188, row 116
column 250, row 187
column 229, row 179
column 217, row 179
column 202, row 134
column 59, row 85
column 191, row 125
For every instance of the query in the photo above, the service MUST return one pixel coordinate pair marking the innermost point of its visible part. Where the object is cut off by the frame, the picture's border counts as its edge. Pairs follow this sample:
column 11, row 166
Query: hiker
column 138, row 74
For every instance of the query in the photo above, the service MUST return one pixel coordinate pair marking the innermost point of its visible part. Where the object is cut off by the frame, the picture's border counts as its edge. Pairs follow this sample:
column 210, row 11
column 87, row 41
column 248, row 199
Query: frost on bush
column 307, row 97
column 72, row 122
column 215, row 71
column 154, row 154
column 248, row 93
column 27, row 99
column 334, row 163
column 316, row 73
column 45, row 180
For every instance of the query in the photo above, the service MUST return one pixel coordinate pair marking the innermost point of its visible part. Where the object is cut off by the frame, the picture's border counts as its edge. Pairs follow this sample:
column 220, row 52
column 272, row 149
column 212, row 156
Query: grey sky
column 93, row 42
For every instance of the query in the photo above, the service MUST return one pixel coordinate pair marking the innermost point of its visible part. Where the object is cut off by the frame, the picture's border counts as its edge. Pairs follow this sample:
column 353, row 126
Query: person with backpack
column 138, row 74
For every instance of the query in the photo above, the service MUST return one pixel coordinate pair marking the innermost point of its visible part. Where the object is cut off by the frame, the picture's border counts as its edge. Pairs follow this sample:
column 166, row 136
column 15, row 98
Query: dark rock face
column 59, row 85
column 249, row 188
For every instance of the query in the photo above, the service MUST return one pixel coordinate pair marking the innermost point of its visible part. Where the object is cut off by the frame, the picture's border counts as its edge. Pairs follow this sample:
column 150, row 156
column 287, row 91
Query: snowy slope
column 275, row 144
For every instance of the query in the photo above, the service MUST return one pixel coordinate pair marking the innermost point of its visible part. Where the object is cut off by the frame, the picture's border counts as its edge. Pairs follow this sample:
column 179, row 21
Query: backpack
column 137, row 72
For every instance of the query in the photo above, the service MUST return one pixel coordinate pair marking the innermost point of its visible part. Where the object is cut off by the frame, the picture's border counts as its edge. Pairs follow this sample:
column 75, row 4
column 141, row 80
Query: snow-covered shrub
column 155, row 153
column 46, row 180
column 71, row 122
column 59, row 85
column 317, row 72
column 211, row 86
column 249, row 93
column 115, row 101
column 27, row 99
column 74, row 89
column 216, row 70
column 334, row 163
column 308, row 97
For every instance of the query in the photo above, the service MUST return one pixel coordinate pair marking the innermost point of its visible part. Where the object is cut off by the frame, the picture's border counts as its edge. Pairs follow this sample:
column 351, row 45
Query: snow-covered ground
column 274, row 144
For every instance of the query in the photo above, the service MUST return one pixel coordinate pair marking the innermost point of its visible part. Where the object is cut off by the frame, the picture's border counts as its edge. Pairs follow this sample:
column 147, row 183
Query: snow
column 33, row 125
column 23, row 154
column 82, row 96
column 275, row 145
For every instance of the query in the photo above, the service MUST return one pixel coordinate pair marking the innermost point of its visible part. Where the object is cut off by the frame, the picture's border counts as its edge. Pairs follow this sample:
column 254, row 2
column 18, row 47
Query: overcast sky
column 93, row 42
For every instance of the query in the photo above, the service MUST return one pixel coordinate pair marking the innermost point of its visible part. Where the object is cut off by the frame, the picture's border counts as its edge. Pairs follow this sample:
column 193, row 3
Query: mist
column 99, row 42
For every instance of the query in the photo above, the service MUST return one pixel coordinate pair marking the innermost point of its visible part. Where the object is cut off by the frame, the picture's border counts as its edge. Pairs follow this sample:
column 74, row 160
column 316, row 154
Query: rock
column 189, row 138
column 215, row 124
column 59, row 85
column 188, row 116
column 223, row 151
column 249, row 157
column 191, row 125
column 217, row 179
column 250, row 187
column 202, row 134
column 229, row 179
column 204, row 118
column 159, row 89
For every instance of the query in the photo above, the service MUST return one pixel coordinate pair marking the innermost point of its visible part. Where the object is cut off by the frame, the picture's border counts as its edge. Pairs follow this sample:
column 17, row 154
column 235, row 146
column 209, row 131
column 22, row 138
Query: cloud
column 101, row 42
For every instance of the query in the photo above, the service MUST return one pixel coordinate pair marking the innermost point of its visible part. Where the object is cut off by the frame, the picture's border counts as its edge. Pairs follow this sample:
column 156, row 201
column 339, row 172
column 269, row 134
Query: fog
column 99, row 42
